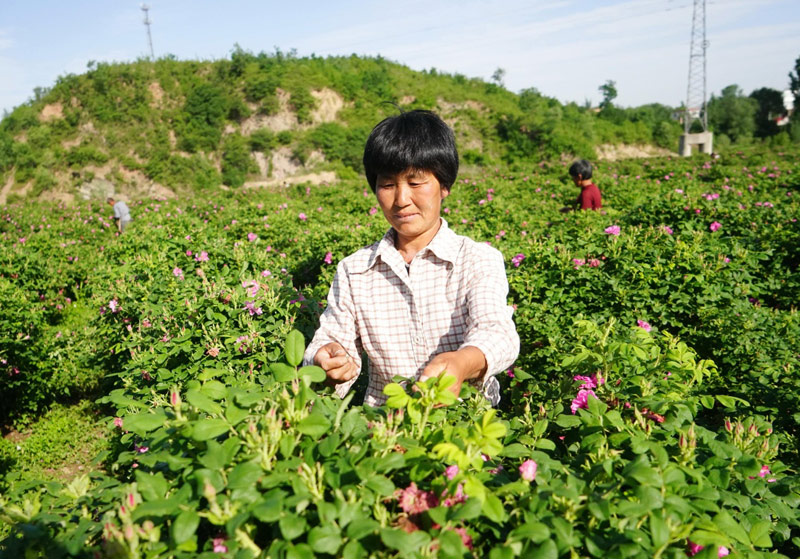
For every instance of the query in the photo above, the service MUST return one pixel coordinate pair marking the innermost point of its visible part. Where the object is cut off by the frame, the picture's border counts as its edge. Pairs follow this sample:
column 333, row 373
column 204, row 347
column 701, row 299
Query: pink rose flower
column 643, row 325
column 582, row 400
column 527, row 470
column 219, row 545
column 451, row 471
column 612, row 230
column 415, row 501
column 715, row 226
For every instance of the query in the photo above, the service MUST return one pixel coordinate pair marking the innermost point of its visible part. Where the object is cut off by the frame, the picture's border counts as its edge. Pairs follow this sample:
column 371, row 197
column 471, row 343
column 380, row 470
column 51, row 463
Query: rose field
column 652, row 412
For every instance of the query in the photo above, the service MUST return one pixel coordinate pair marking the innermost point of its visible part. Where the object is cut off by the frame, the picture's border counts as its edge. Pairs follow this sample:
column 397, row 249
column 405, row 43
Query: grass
column 61, row 444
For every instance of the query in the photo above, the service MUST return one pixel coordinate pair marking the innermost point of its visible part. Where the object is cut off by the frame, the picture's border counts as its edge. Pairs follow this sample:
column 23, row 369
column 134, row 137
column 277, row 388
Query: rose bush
column 652, row 409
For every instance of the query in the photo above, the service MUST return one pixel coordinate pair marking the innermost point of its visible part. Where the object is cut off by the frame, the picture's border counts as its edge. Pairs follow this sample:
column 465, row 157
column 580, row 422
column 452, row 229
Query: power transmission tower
column 145, row 9
column 696, row 89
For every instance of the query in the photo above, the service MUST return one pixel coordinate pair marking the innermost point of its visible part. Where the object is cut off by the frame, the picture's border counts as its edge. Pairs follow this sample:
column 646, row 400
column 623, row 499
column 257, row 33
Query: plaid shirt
column 452, row 295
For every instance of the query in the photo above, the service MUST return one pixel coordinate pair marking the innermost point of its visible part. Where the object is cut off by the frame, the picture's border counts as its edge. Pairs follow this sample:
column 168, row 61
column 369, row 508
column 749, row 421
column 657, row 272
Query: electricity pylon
column 695, row 109
column 145, row 9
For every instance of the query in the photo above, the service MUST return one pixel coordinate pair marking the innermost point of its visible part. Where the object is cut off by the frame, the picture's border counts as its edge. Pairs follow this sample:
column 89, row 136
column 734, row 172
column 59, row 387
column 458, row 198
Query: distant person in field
column 122, row 215
column 422, row 299
column 589, row 198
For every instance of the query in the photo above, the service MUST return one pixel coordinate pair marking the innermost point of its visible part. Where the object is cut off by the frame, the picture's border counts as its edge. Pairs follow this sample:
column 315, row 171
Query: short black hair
column 582, row 168
column 415, row 139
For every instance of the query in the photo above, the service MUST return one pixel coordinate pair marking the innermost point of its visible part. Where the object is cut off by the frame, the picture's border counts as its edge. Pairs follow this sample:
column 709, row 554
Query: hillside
column 169, row 127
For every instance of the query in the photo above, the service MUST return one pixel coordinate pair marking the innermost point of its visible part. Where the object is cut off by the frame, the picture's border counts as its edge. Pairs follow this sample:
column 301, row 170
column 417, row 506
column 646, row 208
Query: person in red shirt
column 589, row 198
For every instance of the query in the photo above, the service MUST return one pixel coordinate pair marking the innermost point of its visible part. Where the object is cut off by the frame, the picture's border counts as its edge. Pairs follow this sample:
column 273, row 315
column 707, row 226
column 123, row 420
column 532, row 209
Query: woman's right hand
column 336, row 362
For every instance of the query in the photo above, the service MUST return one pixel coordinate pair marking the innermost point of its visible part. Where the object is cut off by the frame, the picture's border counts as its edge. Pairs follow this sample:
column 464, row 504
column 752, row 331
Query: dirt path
column 7, row 188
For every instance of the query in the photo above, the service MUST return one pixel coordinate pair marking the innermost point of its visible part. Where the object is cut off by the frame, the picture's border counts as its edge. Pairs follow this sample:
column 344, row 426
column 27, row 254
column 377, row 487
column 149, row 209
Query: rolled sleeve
column 491, row 327
column 338, row 324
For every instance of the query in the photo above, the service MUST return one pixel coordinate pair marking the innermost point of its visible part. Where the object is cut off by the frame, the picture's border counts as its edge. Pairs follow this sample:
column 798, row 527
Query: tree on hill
column 733, row 114
column 609, row 91
column 770, row 107
column 794, row 86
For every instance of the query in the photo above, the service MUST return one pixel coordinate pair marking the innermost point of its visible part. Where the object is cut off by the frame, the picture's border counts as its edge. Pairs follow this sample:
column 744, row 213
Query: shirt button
column 417, row 340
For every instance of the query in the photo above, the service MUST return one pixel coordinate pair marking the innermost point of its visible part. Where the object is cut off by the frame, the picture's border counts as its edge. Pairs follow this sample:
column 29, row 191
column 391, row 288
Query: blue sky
column 563, row 48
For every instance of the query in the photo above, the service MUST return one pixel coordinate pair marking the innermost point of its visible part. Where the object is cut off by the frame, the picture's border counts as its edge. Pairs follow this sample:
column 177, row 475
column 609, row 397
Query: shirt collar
column 444, row 245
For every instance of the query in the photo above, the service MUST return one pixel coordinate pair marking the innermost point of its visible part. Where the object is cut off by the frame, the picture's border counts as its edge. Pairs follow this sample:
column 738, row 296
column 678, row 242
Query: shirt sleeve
column 490, row 326
column 116, row 211
column 338, row 324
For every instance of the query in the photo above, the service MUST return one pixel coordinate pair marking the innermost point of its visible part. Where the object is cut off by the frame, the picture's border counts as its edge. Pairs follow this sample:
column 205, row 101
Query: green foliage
column 609, row 93
column 733, row 114
column 236, row 160
column 85, row 154
column 338, row 143
column 146, row 115
column 190, row 328
column 262, row 140
column 203, row 115
column 794, row 85
column 62, row 441
column 303, row 103
column 770, row 108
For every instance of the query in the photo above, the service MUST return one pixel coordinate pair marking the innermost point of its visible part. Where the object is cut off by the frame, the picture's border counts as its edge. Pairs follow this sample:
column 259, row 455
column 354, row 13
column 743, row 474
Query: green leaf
column 643, row 473
column 728, row 526
column 548, row 550
column 446, row 398
column 295, row 346
column 184, row 526
column 292, row 526
column 450, row 544
column 209, row 428
column 469, row 510
column 659, row 531
column 245, row 475
column 202, row 402
column 214, row 389
column 759, row 534
column 159, row 507
column 313, row 373
column 390, row 462
column 707, row 401
column 283, row 372
column 315, row 425
column 325, row 539
column 731, row 401
column 501, row 553
column 299, row 551
column 270, row 507
column 381, row 485
column 141, row 423
column 354, row 550
column 151, row 486
column 493, row 508
column 398, row 539
column 361, row 527
column 234, row 414
column 545, row 444
column 398, row 398
column 567, row 421
column 533, row 531
column 208, row 374
column 515, row 450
